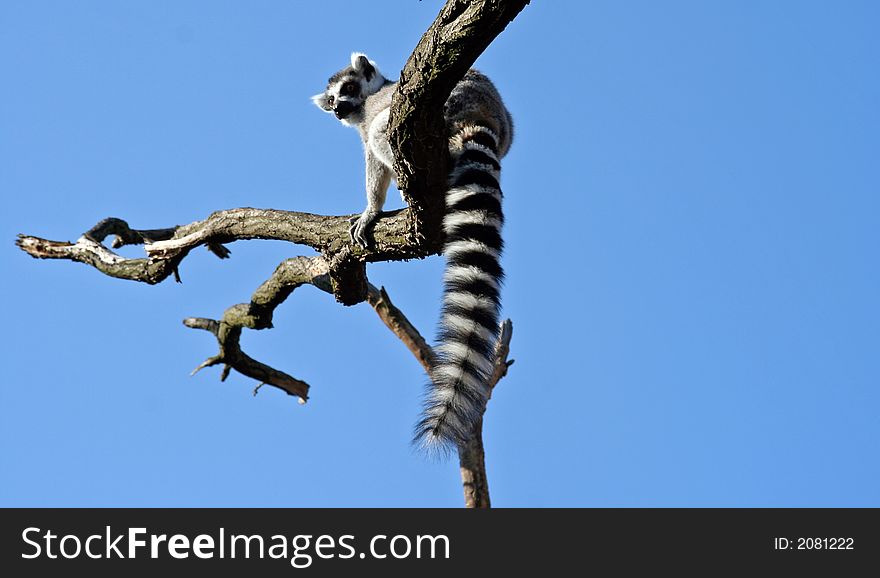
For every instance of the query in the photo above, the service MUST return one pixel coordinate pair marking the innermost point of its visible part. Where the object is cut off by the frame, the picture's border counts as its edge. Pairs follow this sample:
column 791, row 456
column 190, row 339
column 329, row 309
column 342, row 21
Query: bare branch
column 502, row 350
column 396, row 321
column 417, row 132
column 168, row 247
column 91, row 252
column 327, row 234
column 472, row 455
column 257, row 314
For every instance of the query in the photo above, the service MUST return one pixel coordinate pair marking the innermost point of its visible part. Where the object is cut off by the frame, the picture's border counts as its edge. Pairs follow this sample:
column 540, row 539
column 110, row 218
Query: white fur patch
column 459, row 218
column 355, row 56
column 377, row 81
column 468, row 246
column 443, row 394
column 319, row 100
column 453, row 373
column 470, row 301
column 466, row 325
column 460, row 193
column 458, row 352
column 471, row 164
column 473, row 129
column 467, row 273
column 457, row 142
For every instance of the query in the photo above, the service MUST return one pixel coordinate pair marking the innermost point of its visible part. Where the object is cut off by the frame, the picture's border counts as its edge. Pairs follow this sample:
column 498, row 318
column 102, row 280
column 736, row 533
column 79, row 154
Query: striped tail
column 465, row 354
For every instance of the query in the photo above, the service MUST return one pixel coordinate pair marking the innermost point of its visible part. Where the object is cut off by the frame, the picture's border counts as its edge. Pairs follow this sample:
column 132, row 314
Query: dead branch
column 461, row 32
column 396, row 321
column 257, row 314
column 472, row 455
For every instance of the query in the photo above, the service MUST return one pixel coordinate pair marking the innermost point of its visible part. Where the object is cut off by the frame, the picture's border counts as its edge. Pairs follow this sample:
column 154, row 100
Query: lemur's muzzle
column 343, row 108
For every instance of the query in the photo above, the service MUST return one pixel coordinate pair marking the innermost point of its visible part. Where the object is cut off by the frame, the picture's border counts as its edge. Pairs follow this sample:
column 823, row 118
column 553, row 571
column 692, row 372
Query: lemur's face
column 348, row 89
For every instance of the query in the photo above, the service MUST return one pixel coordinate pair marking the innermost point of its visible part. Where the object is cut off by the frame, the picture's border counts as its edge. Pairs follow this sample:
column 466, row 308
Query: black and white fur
column 481, row 132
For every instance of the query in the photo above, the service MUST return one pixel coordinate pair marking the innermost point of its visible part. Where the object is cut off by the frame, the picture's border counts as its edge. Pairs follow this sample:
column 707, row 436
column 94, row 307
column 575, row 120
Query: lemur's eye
column 350, row 88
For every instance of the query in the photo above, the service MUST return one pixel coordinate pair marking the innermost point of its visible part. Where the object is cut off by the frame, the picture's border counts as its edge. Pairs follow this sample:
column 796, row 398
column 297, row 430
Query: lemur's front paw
column 360, row 230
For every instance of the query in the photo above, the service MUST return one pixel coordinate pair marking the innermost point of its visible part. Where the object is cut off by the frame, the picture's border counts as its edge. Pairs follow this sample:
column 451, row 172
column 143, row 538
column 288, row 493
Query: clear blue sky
column 693, row 211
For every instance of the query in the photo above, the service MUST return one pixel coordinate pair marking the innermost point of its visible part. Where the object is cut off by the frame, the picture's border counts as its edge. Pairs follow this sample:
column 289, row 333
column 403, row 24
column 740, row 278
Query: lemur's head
column 348, row 89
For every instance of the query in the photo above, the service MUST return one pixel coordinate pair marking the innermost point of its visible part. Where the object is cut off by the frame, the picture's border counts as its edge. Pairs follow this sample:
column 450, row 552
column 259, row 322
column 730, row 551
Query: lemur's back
column 474, row 99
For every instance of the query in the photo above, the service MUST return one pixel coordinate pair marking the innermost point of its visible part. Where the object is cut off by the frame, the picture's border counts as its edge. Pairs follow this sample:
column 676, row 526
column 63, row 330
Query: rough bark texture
column 451, row 45
column 461, row 32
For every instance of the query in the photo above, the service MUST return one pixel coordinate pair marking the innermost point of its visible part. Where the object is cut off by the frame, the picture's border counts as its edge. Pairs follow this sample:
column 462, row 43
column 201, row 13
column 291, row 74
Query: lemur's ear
column 320, row 101
column 362, row 64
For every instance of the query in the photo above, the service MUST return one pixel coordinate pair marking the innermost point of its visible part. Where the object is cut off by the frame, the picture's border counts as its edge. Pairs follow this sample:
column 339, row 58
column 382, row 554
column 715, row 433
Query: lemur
column 481, row 131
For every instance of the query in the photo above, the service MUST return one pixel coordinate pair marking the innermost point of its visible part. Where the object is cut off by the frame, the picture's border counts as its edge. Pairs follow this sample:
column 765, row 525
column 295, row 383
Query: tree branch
column 461, row 32
column 89, row 250
column 257, row 314
column 396, row 321
column 166, row 248
column 472, row 455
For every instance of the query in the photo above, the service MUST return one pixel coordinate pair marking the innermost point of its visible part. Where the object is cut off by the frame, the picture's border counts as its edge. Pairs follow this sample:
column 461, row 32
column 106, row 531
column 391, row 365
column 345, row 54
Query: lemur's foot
column 360, row 231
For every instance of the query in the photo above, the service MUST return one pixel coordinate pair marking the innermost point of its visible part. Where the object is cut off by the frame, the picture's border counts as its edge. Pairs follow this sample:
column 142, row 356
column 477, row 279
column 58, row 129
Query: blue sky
column 693, row 211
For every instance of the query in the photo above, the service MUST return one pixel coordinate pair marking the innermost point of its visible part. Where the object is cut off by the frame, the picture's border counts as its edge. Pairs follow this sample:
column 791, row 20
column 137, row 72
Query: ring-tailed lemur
column 480, row 130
